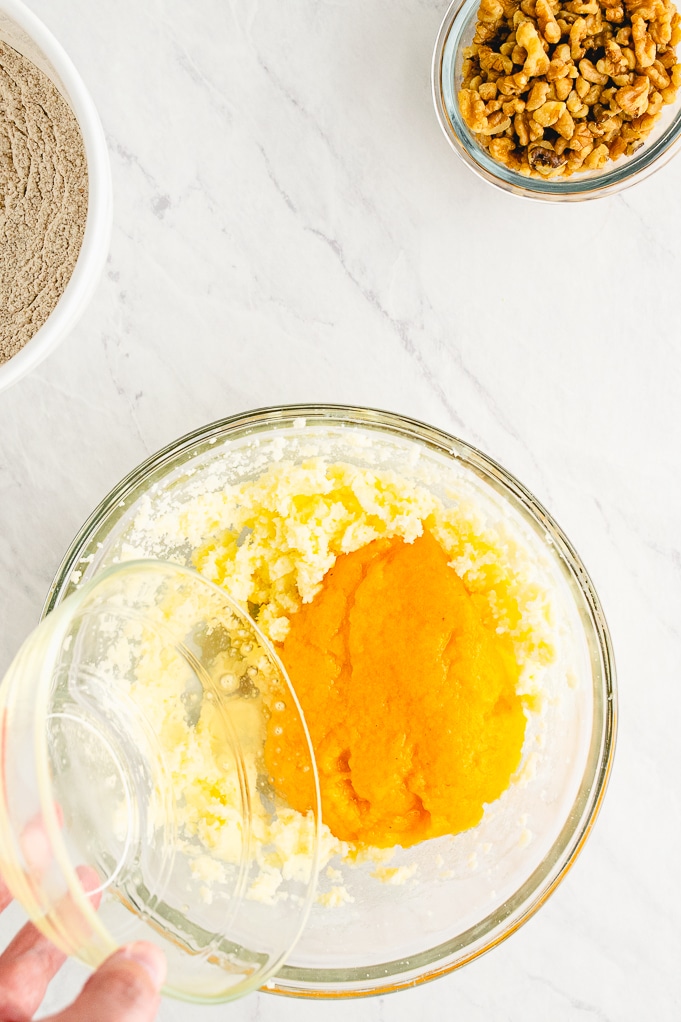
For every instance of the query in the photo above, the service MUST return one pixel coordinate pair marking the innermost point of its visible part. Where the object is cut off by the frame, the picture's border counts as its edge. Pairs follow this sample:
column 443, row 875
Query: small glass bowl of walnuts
column 560, row 100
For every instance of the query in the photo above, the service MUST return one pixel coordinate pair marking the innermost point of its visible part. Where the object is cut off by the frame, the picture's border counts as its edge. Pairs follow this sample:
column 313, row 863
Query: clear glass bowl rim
column 652, row 157
column 492, row 930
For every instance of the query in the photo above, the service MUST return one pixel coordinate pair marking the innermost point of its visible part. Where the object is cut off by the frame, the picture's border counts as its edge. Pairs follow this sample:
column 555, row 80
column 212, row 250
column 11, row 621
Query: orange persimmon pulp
column 409, row 698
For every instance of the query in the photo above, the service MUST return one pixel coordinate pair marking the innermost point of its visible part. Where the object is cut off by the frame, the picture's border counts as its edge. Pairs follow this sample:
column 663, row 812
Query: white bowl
column 20, row 28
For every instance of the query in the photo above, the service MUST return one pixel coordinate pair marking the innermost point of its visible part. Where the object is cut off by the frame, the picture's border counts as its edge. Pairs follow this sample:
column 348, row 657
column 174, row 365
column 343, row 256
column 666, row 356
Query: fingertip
column 125, row 988
column 150, row 957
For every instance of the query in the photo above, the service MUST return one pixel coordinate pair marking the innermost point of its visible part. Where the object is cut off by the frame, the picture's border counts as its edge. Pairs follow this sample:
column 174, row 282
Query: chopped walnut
column 591, row 74
column 565, row 126
column 597, row 158
column 536, row 62
column 644, row 46
column 545, row 160
column 538, row 96
column 577, row 37
column 549, row 113
column 658, row 75
column 548, row 26
column 556, row 87
column 502, row 149
column 633, row 99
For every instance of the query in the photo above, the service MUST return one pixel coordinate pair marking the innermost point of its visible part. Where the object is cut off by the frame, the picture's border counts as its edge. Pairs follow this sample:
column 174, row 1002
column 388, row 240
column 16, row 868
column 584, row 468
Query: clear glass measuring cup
column 136, row 800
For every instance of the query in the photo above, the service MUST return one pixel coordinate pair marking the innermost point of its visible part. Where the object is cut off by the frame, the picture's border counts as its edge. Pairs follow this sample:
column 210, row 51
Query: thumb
column 125, row 988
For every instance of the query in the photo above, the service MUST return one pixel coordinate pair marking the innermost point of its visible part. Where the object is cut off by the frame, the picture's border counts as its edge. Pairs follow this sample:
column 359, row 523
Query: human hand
column 125, row 988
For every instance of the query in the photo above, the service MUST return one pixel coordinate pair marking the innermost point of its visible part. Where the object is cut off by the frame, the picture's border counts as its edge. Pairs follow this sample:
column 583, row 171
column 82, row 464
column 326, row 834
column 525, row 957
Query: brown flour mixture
column 43, row 198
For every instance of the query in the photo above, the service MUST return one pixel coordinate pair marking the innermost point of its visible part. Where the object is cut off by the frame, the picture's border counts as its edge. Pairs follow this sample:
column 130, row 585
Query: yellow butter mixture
column 416, row 633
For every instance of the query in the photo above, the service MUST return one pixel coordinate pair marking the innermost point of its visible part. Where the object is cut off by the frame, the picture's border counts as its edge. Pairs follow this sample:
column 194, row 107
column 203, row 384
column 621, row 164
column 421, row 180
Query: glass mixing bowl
column 461, row 895
column 456, row 32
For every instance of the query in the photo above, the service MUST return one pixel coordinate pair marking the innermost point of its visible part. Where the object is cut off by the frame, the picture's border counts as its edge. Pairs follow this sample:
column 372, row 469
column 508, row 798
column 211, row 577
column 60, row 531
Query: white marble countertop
column 290, row 225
